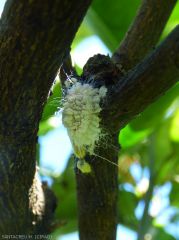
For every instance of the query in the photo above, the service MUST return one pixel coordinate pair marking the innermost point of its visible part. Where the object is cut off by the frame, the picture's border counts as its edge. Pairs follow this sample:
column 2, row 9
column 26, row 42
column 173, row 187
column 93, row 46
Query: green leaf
column 84, row 31
column 174, row 130
column 45, row 127
column 174, row 194
column 52, row 106
column 126, row 204
column 155, row 113
column 129, row 137
column 162, row 144
column 65, row 190
column 53, row 102
column 159, row 234
column 173, row 21
column 111, row 21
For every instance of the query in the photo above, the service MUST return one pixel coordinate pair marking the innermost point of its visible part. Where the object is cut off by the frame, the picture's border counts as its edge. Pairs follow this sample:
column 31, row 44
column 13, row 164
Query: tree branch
column 144, row 32
column 128, row 95
column 145, row 83
column 97, row 194
column 35, row 37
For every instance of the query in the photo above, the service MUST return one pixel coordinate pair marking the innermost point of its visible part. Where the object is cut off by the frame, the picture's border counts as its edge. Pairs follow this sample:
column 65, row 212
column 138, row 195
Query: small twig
column 144, row 33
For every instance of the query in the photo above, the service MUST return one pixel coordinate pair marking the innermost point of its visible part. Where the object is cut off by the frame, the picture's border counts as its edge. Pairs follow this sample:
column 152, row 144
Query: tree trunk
column 35, row 36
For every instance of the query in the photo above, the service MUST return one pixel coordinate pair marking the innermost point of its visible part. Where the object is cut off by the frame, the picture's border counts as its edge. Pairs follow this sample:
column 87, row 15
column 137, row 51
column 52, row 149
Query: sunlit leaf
column 174, row 130
column 53, row 103
column 155, row 113
column 173, row 21
column 84, row 31
column 129, row 137
column 45, row 127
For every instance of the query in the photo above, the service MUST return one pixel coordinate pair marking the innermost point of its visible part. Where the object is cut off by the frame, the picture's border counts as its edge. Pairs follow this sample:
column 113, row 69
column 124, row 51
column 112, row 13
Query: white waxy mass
column 81, row 116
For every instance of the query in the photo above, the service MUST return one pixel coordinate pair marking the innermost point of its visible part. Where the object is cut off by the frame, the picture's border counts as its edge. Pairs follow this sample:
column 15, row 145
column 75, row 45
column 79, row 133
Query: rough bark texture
column 35, row 36
column 97, row 195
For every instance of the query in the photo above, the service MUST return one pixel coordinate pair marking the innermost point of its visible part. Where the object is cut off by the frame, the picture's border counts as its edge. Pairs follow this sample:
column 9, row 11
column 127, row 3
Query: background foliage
column 148, row 161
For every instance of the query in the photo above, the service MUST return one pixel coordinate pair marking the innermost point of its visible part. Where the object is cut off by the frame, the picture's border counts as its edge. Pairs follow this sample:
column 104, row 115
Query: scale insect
column 81, row 117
